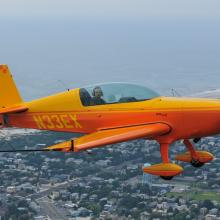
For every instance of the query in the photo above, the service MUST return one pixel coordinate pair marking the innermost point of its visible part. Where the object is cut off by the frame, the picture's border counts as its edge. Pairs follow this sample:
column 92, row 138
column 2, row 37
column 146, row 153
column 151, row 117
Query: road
column 55, row 187
column 49, row 209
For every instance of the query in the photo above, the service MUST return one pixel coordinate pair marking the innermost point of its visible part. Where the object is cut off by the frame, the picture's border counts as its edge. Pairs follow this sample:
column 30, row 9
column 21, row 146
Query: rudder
column 9, row 94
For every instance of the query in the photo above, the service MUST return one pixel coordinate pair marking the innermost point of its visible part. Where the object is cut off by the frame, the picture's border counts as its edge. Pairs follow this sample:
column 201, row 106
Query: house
column 41, row 217
column 145, row 216
column 108, row 207
column 11, row 189
column 93, row 198
column 74, row 196
column 70, row 205
column 54, row 195
column 210, row 217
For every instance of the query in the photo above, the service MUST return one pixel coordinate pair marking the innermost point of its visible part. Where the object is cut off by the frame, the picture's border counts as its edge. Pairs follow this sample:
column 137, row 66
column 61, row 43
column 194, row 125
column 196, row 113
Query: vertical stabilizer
column 9, row 95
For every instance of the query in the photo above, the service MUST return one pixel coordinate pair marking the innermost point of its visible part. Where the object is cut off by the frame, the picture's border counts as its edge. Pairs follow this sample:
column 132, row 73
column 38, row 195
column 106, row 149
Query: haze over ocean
column 162, row 53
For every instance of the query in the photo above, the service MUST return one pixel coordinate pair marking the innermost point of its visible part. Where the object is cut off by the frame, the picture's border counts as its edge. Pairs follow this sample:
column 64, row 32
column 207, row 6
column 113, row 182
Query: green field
column 195, row 195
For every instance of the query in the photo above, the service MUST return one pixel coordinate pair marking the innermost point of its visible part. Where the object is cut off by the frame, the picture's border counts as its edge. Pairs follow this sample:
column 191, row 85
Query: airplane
column 112, row 113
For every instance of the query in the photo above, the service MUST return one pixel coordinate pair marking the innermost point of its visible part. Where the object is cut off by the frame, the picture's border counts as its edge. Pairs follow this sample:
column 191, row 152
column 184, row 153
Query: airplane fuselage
column 188, row 117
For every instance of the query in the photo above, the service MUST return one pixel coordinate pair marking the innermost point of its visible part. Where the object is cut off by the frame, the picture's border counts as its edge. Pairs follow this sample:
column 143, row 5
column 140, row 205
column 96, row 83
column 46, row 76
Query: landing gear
column 191, row 150
column 166, row 177
column 196, row 158
column 165, row 170
column 196, row 163
column 196, row 140
column 174, row 168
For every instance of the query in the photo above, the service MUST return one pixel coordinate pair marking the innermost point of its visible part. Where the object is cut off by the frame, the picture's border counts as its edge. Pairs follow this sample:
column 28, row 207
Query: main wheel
column 197, row 163
column 166, row 177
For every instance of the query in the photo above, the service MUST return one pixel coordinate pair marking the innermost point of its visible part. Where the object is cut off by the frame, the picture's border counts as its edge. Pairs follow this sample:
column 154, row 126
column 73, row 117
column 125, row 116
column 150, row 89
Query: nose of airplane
column 202, row 116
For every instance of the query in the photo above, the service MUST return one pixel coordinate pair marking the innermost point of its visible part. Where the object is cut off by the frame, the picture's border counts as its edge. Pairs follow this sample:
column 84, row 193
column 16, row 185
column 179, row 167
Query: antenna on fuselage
column 175, row 93
column 63, row 84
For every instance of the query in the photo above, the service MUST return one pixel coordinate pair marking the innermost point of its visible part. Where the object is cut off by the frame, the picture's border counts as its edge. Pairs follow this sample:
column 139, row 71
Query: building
column 147, row 178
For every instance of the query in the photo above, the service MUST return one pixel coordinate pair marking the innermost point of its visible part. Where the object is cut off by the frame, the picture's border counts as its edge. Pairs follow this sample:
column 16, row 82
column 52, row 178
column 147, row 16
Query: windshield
column 115, row 93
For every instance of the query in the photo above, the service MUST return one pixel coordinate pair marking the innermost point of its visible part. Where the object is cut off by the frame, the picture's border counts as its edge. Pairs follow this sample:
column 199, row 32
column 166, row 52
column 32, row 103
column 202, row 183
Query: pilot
column 97, row 96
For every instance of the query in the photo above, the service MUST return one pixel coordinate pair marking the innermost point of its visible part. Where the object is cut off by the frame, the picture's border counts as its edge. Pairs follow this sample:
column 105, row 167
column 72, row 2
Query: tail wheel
column 197, row 163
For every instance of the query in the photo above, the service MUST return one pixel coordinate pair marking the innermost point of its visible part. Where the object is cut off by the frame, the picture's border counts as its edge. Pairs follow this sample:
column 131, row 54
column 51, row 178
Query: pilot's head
column 97, row 92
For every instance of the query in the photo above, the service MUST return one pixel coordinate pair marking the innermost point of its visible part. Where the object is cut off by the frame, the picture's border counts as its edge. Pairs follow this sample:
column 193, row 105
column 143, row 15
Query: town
column 107, row 183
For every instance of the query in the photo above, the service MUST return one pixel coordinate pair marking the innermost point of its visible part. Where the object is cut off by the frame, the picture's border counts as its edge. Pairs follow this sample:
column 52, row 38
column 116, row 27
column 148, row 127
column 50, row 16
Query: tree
column 181, row 216
column 208, row 204
column 95, row 208
column 22, row 203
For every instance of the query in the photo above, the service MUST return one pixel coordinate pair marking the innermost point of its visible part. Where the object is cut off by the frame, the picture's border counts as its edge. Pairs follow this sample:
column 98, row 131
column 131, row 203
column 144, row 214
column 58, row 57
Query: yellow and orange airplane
column 113, row 113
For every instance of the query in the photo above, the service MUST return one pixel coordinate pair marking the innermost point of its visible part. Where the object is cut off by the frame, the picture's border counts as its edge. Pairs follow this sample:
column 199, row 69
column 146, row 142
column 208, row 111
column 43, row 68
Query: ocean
column 48, row 55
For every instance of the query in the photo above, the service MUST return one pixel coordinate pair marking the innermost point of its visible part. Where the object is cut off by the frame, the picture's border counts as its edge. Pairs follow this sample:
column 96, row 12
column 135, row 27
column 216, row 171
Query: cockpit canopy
column 112, row 93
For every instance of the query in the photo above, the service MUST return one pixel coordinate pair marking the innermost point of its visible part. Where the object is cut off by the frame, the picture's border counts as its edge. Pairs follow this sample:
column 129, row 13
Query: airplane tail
column 10, row 99
column 9, row 95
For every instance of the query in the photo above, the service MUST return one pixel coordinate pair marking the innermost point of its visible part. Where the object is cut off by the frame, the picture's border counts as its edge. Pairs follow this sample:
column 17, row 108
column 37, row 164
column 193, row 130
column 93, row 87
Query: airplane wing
column 15, row 109
column 112, row 136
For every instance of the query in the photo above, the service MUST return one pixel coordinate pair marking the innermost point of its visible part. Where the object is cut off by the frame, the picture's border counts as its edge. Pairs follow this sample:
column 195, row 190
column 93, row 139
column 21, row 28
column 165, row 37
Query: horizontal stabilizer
column 15, row 109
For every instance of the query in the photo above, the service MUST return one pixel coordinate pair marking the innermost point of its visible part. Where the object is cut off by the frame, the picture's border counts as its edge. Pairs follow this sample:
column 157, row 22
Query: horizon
column 161, row 45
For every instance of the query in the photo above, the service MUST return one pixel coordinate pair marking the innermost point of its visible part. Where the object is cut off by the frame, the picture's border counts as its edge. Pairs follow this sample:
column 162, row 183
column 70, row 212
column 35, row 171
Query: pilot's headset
column 97, row 87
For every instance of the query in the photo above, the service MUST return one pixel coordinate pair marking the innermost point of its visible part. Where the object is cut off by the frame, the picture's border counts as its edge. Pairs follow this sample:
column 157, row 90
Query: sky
column 114, row 8
column 52, row 45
